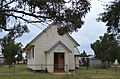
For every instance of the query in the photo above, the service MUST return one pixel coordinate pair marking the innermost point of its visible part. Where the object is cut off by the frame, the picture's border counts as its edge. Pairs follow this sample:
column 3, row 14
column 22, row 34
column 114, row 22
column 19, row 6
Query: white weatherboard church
column 52, row 52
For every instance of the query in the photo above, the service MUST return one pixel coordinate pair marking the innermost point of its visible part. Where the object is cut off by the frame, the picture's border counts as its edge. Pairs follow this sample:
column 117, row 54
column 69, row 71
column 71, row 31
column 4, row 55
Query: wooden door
column 58, row 62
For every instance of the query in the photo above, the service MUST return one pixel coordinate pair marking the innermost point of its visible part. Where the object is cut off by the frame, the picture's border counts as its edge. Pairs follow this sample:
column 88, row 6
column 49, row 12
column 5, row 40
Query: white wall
column 45, row 42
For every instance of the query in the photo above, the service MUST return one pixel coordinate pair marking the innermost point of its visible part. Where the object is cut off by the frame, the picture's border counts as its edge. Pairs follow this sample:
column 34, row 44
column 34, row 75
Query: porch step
column 61, row 73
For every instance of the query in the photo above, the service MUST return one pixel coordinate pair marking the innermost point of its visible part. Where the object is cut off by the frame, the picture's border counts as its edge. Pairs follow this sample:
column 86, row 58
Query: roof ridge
column 46, row 30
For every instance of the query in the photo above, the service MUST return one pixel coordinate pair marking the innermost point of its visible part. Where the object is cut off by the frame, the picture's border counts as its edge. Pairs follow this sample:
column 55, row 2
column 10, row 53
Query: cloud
column 92, row 29
column 34, row 31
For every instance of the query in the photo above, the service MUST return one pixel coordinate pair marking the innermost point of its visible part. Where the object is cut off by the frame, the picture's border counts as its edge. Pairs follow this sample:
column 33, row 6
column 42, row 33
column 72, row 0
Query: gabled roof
column 72, row 39
column 45, row 30
column 76, row 51
column 40, row 34
column 58, row 43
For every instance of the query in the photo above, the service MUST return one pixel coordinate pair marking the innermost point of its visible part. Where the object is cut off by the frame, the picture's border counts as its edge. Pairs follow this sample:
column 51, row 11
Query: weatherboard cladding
column 45, row 30
column 58, row 43
column 49, row 40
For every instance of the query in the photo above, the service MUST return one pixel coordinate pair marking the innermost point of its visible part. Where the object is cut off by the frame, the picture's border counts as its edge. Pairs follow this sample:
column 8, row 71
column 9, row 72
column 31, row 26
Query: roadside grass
column 21, row 72
column 93, row 73
column 4, row 69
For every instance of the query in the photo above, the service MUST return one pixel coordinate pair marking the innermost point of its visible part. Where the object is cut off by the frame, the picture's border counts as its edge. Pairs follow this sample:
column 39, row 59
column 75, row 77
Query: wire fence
column 23, row 69
column 32, row 69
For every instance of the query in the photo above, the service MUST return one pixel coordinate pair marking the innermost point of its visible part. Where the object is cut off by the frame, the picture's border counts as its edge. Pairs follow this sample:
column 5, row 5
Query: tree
column 16, row 14
column 85, row 59
column 9, row 50
column 83, row 54
column 111, row 17
column 19, row 56
column 106, row 48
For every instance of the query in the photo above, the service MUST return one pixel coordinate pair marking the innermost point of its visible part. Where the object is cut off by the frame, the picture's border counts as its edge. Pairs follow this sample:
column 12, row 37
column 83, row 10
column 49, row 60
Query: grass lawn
column 21, row 72
column 98, row 74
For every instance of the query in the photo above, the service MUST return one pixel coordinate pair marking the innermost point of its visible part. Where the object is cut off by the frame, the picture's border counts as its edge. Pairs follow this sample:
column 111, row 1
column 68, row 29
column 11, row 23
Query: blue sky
column 88, row 34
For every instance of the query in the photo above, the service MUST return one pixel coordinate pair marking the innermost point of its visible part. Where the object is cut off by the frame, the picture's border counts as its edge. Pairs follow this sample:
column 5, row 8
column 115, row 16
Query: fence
column 22, row 69
column 26, row 69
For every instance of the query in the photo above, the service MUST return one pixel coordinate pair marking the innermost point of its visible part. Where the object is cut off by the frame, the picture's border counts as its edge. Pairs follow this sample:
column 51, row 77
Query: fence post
column 67, row 70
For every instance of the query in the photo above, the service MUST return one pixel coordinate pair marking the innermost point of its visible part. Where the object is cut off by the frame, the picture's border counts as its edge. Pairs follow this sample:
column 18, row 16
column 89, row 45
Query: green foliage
column 111, row 17
column 83, row 54
column 106, row 48
column 42, row 11
column 9, row 50
column 85, row 59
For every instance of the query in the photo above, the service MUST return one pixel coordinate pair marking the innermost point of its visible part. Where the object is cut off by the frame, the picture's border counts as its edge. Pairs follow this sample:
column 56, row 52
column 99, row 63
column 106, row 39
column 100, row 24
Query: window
column 29, row 54
column 32, row 52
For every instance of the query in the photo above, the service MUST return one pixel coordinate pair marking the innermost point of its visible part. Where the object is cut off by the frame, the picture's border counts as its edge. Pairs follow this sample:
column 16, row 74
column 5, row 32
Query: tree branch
column 7, row 3
column 23, row 12
column 5, row 28
column 28, row 21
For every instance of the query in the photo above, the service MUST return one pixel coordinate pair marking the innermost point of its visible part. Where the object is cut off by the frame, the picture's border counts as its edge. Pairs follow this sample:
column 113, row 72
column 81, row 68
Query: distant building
column 1, row 59
column 94, row 62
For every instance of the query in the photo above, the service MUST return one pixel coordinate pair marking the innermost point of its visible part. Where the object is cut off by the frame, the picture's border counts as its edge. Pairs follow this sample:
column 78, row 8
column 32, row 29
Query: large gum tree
column 15, row 15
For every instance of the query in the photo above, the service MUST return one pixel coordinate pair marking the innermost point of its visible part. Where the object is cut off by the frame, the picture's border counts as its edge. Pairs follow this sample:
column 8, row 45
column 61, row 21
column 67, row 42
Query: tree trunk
column 108, row 63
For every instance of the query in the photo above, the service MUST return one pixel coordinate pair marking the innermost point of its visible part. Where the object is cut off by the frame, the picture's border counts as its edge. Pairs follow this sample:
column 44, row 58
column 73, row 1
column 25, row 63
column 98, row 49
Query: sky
column 92, row 29
column 89, row 33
